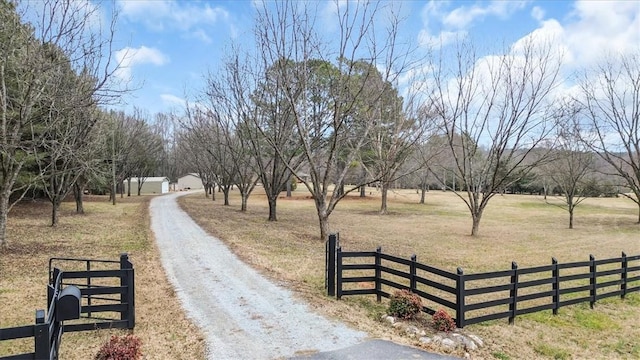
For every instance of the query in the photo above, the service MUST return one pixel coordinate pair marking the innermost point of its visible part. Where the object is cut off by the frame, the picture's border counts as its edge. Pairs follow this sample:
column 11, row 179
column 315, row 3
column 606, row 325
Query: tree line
column 331, row 113
column 56, row 136
column 334, row 114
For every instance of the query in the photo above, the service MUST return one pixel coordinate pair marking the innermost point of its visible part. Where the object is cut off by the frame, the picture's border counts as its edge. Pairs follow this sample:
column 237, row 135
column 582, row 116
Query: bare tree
column 195, row 157
column 170, row 165
column 205, row 132
column 494, row 113
column 130, row 146
column 610, row 94
column 393, row 140
column 571, row 163
column 425, row 158
column 272, row 133
column 325, row 84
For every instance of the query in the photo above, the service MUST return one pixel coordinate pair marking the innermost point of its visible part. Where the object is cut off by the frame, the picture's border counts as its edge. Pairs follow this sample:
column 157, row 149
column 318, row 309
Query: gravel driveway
column 243, row 315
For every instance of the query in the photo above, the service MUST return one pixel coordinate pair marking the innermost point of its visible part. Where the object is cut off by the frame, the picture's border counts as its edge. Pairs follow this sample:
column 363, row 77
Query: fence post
column 339, row 272
column 592, row 281
column 412, row 274
column 513, row 293
column 89, row 287
column 326, row 264
column 555, row 286
column 623, row 276
column 127, row 281
column 41, row 338
column 378, row 275
column 331, row 264
column 460, row 294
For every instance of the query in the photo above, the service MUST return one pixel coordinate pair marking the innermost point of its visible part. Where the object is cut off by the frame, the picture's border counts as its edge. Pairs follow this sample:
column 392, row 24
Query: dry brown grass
column 102, row 233
column 514, row 228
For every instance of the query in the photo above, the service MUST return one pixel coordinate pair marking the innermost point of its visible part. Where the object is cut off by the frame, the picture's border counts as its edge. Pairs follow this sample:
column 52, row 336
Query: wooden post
column 513, row 293
column 460, row 294
column 41, row 337
column 378, row 275
column 127, row 281
column 412, row 274
column 555, row 286
column 89, row 287
column 623, row 276
column 331, row 264
column 339, row 272
column 592, row 281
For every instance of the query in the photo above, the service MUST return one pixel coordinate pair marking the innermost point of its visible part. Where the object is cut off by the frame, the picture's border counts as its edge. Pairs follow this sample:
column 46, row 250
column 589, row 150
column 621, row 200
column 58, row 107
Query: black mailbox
column 68, row 304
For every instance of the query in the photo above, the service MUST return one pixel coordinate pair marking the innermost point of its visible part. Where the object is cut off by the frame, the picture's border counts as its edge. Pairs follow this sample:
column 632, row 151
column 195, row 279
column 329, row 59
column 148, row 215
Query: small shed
column 150, row 185
column 190, row 181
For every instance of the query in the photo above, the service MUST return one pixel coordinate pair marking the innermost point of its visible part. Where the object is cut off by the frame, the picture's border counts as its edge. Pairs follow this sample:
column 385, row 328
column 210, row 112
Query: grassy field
column 102, row 233
column 517, row 228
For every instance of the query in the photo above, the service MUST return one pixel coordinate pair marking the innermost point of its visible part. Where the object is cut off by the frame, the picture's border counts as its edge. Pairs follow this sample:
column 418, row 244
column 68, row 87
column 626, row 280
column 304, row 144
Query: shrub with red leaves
column 126, row 347
column 442, row 321
column 404, row 304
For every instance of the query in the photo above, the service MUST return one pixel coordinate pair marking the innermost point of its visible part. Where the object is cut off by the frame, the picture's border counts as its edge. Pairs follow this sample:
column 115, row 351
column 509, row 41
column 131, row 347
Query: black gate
column 99, row 296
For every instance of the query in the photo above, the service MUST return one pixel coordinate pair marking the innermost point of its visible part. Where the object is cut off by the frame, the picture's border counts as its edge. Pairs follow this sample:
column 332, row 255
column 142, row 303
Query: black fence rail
column 69, row 307
column 475, row 298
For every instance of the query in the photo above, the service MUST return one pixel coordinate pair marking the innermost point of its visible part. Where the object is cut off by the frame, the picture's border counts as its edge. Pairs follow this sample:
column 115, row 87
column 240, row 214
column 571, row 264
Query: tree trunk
column 77, row 194
column 212, row 190
column 55, row 206
column 383, row 205
column 129, row 187
column 225, row 191
column 243, row 205
column 4, row 213
column 206, row 191
column 423, row 191
column 363, row 188
column 289, row 187
column 476, row 224
column 113, row 193
column 324, row 225
column 272, row 208
column 570, row 217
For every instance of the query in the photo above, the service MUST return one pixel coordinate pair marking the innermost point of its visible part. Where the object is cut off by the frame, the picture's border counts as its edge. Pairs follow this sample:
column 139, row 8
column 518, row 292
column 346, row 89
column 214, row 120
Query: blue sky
column 168, row 46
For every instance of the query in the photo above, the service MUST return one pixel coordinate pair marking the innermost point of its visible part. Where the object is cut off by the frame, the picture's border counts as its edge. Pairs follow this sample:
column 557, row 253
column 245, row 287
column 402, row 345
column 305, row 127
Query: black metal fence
column 107, row 288
column 475, row 298
column 104, row 300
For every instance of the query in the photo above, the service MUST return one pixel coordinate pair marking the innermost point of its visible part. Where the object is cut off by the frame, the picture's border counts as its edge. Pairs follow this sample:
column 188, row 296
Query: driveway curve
column 243, row 314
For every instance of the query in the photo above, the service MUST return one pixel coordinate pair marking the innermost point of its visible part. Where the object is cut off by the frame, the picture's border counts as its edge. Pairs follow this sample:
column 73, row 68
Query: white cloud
column 550, row 35
column 443, row 39
column 129, row 57
column 594, row 29
column 600, row 28
column 463, row 16
column 170, row 14
column 202, row 36
column 172, row 100
column 537, row 13
column 455, row 24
